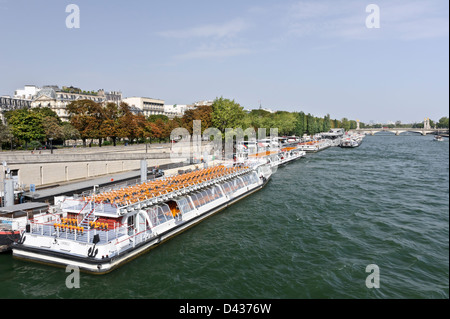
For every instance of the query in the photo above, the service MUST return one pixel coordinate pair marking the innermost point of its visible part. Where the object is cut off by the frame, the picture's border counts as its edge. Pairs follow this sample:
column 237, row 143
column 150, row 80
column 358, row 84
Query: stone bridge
column 426, row 129
column 398, row 131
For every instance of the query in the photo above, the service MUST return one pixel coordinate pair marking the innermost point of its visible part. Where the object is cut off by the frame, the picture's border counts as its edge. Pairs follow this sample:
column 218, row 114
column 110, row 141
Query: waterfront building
column 148, row 106
column 8, row 103
column 58, row 98
column 202, row 102
column 27, row 93
column 175, row 110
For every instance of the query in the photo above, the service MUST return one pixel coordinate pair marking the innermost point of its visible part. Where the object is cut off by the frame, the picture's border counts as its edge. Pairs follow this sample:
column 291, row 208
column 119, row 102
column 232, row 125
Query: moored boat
column 100, row 232
column 13, row 221
column 351, row 141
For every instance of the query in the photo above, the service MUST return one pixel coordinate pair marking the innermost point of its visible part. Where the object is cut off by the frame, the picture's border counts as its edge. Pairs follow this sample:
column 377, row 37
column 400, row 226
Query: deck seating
column 140, row 192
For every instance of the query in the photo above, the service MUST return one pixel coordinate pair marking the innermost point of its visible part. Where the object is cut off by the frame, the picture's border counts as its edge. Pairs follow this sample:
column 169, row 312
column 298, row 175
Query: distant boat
column 351, row 141
column 438, row 138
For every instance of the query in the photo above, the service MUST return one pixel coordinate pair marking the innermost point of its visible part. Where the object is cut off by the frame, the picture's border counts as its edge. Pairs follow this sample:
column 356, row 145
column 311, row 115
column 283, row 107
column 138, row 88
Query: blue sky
column 313, row 56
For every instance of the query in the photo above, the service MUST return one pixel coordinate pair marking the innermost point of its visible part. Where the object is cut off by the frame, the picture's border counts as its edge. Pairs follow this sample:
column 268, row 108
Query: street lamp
column 51, row 145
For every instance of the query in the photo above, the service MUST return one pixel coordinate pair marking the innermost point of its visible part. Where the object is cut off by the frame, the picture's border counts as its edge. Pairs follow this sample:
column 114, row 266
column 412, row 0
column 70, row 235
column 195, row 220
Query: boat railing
column 119, row 234
column 78, row 234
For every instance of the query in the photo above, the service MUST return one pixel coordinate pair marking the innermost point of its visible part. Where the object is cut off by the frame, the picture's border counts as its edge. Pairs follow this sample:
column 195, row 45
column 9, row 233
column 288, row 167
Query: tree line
column 111, row 123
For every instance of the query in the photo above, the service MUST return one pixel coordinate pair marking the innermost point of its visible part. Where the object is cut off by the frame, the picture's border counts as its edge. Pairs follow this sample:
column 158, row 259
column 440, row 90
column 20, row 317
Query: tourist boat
column 100, row 232
column 351, row 141
column 334, row 136
column 314, row 145
column 13, row 221
column 289, row 154
column 270, row 154
column 438, row 138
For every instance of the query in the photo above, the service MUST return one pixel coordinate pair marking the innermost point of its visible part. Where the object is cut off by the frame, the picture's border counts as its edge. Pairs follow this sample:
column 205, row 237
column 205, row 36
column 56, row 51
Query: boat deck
column 80, row 236
column 154, row 188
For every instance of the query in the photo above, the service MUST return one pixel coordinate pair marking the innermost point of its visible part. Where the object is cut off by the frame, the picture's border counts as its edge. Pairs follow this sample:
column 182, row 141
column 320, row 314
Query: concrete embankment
column 41, row 168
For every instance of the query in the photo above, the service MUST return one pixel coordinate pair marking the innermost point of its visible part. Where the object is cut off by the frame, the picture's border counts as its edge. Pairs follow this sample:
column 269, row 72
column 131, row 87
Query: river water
column 310, row 233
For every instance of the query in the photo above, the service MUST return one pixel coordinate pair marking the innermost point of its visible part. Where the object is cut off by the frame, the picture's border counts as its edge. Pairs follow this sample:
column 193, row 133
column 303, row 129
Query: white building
column 57, row 99
column 149, row 106
column 8, row 103
column 203, row 102
column 28, row 92
column 175, row 110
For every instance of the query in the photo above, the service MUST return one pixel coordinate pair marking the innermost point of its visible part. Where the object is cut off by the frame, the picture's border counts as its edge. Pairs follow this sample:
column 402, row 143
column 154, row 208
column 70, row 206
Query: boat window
column 202, row 198
column 130, row 222
column 253, row 177
column 227, row 188
column 195, row 199
column 184, row 205
column 152, row 213
column 159, row 214
column 248, row 179
column 240, row 183
column 166, row 211
column 217, row 191
column 234, row 185
column 206, row 196
column 210, row 195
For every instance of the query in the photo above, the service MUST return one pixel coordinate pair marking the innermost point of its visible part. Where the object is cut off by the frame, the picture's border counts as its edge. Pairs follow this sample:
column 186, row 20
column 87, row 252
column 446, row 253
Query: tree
column 52, row 128
column 47, row 112
column 69, row 132
column 345, row 124
column 226, row 114
column 87, row 117
column 201, row 113
column 110, row 125
column 299, row 125
column 127, row 124
column 5, row 134
column 26, row 125
column 326, row 123
column 156, row 130
column 443, row 122
column 284, row 122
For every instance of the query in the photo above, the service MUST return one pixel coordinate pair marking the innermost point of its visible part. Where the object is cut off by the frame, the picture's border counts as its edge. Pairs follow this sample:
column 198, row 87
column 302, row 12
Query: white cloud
column 211, row 40
column 202, row 53
column 406, row 20
column 228, row 29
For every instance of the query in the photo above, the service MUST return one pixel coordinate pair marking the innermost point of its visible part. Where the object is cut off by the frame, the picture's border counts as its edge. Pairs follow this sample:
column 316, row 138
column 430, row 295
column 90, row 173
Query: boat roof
column 29, row 206
column 114, row 202
column 263, row 154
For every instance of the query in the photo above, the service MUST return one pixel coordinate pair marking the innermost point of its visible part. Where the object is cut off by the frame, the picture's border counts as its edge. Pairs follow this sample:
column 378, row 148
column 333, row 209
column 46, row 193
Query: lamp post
column 51, row 145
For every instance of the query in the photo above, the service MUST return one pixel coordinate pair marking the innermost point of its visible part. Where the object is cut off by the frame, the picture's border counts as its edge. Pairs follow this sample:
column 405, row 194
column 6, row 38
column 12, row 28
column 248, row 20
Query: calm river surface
column 310, row 233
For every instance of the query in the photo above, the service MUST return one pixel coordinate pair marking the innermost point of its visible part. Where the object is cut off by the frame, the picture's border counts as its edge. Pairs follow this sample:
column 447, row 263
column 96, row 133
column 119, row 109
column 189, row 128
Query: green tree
column 226, row 114
column 52, row 128
column 69, row 132
column 326, row 123
column 443, row 122
column 5, row 134
column 299, row 125
column 345, row 124
column 47, row 112
column 26, row 125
